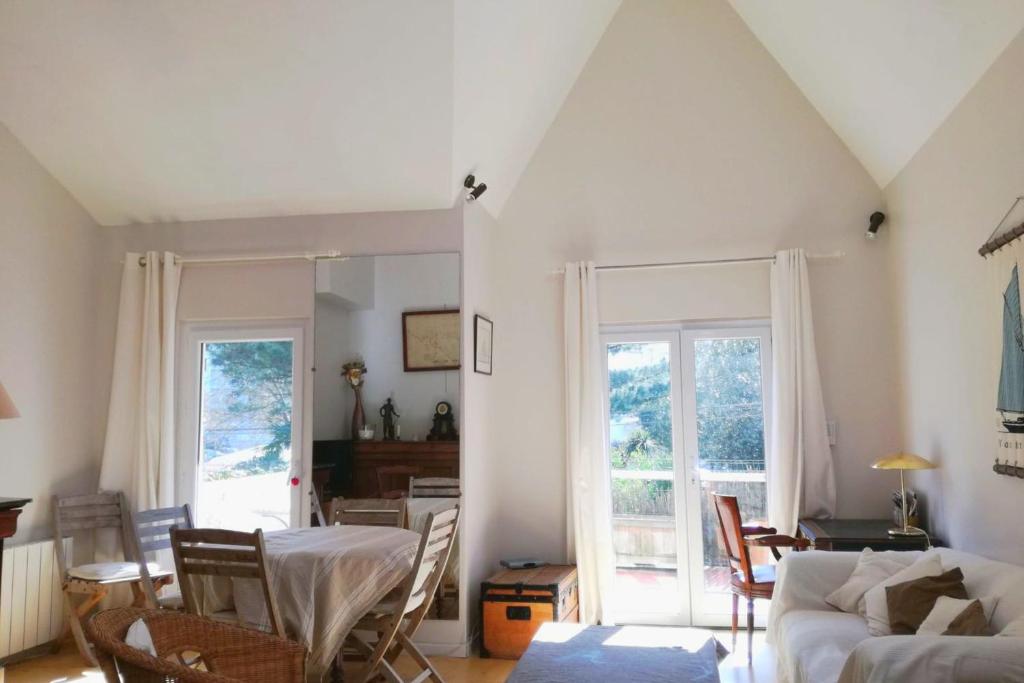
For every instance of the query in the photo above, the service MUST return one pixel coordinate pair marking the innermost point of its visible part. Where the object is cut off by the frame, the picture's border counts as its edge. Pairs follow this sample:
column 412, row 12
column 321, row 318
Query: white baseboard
column 441, row 649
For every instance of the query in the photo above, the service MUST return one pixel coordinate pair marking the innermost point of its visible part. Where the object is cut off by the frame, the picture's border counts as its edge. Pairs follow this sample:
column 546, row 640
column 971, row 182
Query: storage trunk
column 515, row 602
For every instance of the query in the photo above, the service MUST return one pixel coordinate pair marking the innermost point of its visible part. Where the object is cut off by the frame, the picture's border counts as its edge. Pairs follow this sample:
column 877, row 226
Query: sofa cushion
column 989, row 578
column 876, row 608
column 910, row 602
column 872, row 569
column 947, row 610
column 813, row 645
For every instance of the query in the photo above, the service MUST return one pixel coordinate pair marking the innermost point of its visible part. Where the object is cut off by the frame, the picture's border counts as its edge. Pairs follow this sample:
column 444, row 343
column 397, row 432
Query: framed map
column 430, row 340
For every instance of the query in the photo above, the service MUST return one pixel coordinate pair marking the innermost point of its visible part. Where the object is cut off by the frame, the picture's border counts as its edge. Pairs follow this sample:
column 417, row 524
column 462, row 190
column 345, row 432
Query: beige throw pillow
column 950, row 615
column 872, row 569
column 876, row 607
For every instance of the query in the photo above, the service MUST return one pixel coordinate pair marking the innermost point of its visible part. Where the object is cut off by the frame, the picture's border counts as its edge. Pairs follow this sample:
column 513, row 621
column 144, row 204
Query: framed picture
column 430, row 340
column 483, row 344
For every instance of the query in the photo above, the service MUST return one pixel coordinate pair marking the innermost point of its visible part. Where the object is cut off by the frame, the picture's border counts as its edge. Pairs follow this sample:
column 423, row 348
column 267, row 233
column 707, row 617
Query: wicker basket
column 228, row 653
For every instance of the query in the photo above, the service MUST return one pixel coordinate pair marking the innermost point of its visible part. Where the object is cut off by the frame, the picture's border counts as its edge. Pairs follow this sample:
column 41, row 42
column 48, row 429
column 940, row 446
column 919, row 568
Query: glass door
column 686, row 419
column 725, row 378
column 644, row 435
column 240, row 464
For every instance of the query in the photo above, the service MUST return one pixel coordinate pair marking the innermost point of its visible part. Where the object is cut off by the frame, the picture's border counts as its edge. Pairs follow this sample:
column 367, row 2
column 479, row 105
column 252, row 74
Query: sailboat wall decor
column 1010, row 397
column 1010, row 403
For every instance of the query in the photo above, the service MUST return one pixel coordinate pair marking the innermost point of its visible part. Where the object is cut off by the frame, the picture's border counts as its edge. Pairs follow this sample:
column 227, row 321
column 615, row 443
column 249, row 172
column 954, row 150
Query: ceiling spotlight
column 875, row 221
column 474, row 190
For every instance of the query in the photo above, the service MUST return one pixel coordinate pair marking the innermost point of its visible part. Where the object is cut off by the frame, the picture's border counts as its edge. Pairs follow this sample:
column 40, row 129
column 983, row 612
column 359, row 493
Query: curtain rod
column 708, row 262
column 332, row 254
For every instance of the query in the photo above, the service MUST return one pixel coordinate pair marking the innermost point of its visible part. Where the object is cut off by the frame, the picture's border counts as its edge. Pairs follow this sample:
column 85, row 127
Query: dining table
column 324, row 580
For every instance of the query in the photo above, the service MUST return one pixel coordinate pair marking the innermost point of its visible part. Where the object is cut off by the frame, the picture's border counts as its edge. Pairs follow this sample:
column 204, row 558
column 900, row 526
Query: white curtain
column 589, row 487
column 138, row 455
column 801, row 480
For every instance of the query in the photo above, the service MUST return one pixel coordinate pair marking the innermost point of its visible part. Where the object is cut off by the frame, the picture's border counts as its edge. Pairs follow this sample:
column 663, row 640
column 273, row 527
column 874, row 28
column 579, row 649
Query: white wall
column 942, row 207
column 482, row 469
column 683, row 139
column 408, row 282
column 48, row 269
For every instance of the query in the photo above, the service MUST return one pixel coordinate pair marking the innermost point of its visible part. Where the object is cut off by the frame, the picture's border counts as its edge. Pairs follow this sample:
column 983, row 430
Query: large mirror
column 386, row 411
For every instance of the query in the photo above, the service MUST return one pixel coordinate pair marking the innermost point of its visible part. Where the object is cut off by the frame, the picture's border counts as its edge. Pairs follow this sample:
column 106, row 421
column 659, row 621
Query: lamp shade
column 903, row 461
column 7, row 408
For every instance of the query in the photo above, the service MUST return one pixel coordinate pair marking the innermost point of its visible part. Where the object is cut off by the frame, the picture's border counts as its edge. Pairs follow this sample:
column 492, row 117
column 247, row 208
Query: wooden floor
column 68, row 666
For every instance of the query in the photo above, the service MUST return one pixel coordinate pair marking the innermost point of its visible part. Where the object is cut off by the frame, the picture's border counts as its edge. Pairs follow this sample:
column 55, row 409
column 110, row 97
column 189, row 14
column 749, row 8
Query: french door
column 687, row 417
column 240, row 439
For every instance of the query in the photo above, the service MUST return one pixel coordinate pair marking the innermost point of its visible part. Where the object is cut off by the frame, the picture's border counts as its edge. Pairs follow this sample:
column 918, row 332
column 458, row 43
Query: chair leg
column 735, row 614
column 421, row 659
column 750, row 628
column 74, row 616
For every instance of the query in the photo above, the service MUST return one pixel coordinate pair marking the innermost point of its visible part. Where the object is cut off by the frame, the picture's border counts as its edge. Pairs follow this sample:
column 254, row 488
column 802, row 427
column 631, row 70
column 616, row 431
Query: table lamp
column 903, row 461
column 7, row 409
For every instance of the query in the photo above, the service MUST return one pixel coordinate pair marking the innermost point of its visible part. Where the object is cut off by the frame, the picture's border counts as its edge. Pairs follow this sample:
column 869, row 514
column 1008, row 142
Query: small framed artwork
column 483, row 344
column 430, row 340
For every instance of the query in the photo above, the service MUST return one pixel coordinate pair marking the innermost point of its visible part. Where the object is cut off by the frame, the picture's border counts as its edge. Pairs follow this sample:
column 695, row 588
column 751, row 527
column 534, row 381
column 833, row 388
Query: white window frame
column 693, row 608
column 192, row 337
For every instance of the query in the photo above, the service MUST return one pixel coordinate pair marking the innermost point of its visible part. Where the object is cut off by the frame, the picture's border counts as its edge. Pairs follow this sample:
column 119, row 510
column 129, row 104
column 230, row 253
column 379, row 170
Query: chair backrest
column 370, row 512
column 152, row 533
column 731, row 527
column 318, row 509
column 104, row 510
column 223, row 553
column 428, row 567
column 434, row 487
column 393, row 480
column 225, row 652
column 153, row 527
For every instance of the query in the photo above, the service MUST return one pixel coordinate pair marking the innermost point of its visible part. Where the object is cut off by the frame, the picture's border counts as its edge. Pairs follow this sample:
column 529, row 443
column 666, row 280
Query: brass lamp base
column 909, row 531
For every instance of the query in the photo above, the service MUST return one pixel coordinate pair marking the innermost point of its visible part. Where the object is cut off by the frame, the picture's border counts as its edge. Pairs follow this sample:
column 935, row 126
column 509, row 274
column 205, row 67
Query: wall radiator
column 31, row 607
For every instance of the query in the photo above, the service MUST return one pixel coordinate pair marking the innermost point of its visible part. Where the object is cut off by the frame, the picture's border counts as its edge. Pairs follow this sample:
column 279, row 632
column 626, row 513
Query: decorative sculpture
column 388, row 412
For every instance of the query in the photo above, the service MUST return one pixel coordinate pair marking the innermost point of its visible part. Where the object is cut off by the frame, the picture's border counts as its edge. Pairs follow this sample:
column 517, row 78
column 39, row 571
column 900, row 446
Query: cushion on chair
column 139, row 637
column 763, row 573
column 112, row 571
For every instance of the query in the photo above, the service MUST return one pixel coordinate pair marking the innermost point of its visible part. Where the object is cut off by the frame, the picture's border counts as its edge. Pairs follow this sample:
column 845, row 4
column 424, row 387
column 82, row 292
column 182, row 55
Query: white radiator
column 31, row 608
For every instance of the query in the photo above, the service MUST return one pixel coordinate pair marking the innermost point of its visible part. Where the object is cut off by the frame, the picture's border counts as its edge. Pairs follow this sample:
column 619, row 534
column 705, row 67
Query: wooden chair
column 396, row 622
column 393, row 480
column 152, row 534
column 370, row 512
column 434, row 487
column 224, row 652
column 317, row 508
column 220, row 553
column 73, row 515
column 749, row 580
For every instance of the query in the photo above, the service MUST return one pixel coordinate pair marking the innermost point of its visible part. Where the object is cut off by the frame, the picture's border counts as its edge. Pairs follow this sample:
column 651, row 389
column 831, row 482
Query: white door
column 240, row 461
column 687, row 418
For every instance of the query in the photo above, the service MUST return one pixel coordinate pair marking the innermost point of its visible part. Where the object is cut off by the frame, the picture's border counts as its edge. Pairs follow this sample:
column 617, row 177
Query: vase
column 358, row 417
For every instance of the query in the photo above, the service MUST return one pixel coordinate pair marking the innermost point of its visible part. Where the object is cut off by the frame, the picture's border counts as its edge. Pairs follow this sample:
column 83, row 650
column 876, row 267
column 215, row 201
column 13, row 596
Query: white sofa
column 815, row 643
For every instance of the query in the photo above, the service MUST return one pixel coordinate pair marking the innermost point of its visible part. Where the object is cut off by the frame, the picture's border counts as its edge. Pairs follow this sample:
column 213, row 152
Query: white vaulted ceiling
column 884, row 73
column 169, row 110
column 183, row 109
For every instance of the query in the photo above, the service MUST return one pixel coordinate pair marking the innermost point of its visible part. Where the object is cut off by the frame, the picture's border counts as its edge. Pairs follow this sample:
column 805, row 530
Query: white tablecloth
column 325, row 580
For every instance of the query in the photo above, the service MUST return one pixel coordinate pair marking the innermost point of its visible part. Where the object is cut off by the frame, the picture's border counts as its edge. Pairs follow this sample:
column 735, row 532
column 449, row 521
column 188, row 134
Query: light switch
column 833, row 432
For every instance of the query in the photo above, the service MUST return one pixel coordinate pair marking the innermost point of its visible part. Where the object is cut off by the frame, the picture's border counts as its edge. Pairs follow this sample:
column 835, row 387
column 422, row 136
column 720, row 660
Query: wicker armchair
column 228, row 654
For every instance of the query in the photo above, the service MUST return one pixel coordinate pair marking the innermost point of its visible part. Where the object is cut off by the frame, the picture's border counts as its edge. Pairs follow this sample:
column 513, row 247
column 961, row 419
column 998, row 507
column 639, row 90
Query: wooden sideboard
column 432, row 458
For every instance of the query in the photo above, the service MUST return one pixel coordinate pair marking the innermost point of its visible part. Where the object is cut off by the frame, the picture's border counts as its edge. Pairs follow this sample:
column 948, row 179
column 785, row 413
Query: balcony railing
column 644, row 520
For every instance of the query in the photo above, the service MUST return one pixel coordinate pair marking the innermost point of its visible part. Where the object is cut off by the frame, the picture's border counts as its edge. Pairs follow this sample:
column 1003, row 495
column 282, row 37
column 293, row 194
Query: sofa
column 816, row 643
